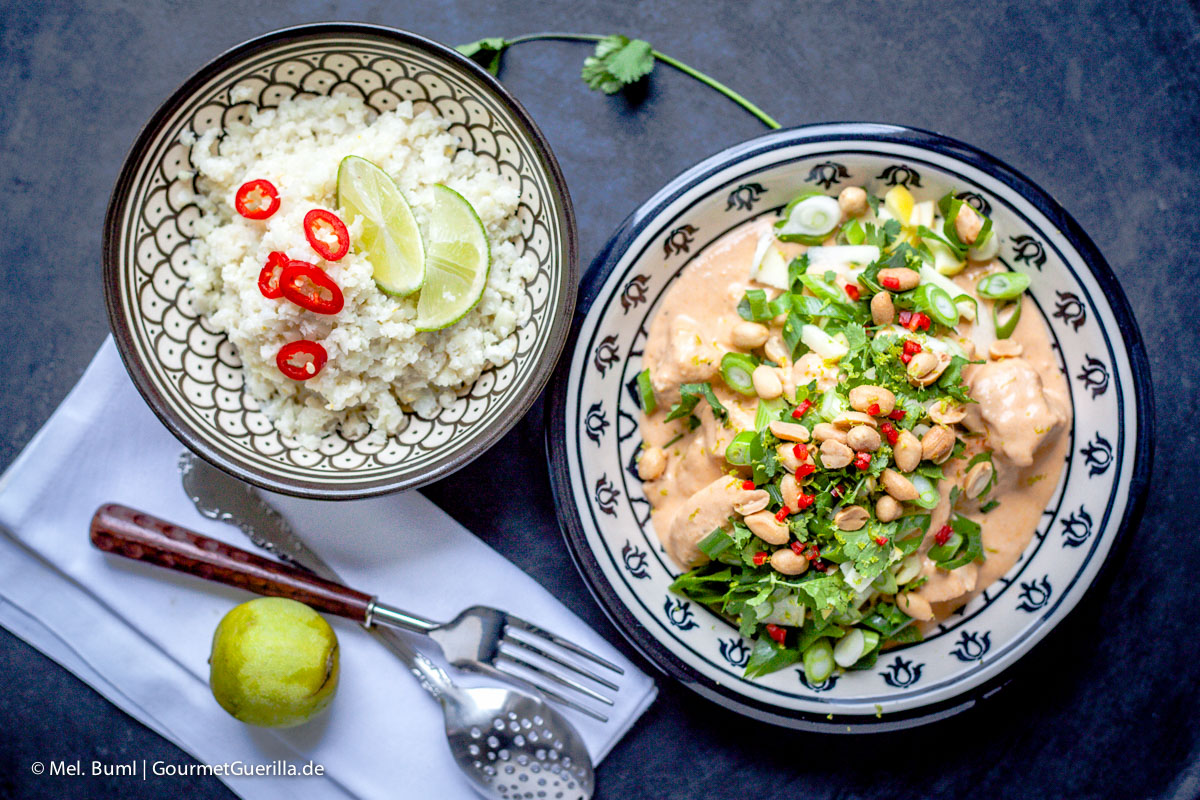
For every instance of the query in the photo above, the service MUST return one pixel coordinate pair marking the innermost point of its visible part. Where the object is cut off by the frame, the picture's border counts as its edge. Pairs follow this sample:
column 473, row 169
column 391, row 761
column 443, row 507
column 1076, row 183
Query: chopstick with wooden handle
column 137, row 535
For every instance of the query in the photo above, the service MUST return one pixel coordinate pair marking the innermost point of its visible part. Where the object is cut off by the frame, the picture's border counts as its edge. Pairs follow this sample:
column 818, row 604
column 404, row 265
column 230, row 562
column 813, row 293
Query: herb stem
column 763, row 117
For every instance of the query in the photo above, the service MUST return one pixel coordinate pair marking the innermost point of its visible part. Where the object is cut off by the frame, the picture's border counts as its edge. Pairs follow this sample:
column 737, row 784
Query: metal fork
column 486, row 639
column 481, row 639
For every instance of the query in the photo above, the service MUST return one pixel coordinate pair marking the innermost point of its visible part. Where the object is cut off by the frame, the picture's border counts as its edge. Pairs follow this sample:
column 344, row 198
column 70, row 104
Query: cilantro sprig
column 617, row 62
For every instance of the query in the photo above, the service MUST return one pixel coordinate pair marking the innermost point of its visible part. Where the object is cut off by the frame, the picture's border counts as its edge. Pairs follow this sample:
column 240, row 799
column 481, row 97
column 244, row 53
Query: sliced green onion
column 968, row 307
column 1003, row 285
column 715, row 543
column 818, row 661
column 945, row 552
column 737, row 370
column 646, row 392
column 850, row 648
column 853, row 232
column 1005, row 329
column 768, row 412
column 939, row 305
column 738, row 450
column 870, row 641
column 973, row 533
column 885, row 583
column 832, row 404
column 927, row 493
column 910, row 568
column 809, row 219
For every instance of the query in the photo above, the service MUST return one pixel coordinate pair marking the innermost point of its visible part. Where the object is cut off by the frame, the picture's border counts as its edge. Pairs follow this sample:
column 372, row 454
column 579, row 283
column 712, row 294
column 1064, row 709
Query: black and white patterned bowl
column 190, row 374
column 593, row 438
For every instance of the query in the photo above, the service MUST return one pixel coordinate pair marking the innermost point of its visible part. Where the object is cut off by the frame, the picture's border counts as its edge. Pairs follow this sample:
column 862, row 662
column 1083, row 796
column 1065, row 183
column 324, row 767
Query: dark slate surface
column 1098, row 102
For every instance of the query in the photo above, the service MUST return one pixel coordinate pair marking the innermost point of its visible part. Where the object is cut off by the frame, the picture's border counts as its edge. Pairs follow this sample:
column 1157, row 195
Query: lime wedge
column 457, row 258
column 390, row 235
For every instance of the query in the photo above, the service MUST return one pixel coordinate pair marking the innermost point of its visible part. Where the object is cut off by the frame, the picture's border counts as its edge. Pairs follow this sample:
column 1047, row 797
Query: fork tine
column 553, row 695
column 554, row 676
column 529, row 645
column 565, row 644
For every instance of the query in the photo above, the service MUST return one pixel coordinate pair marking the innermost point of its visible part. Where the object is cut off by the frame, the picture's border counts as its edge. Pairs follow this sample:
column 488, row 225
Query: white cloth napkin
column 140, row 634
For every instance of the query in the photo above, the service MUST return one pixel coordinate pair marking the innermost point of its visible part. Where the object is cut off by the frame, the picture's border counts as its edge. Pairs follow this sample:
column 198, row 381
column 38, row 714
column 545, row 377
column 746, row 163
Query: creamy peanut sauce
column 1022, row 412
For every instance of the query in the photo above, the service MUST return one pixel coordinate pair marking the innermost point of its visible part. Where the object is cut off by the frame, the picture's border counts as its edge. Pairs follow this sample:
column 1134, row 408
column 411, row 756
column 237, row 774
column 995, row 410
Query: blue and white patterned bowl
column 594, row 437
column 189, row 373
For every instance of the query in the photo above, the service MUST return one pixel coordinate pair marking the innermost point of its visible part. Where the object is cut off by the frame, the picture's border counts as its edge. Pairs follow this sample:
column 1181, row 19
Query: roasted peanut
column 835, row 455
column 977, row 479
column 652, row 463
column 899, row 279
column 823, row 431
column 925, row 368
column 753, row 501
column 851, row 518
column 937, row 444
column 766, row 383
column 887, row 508
column 749, row 335
column 915, row 606
column 907, row 451
column 790, row 431
column 764, row 525
column 787, row 562
column 853, row 201
column 789, row 489
column 787, row 457
column 874, row 400
column 777, row 351
column 967, row 224
column 898, row 486
column 883, row 310
column 863, row 437
column 848, row 419
column 947, row 412
column 1005, row 348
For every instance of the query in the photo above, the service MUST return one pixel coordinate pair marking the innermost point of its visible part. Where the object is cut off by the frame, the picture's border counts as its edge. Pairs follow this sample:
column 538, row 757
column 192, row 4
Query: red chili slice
column 803, row 471
column 257, row 199
column 863, row 460
column 327, row 234
column 747, row 485
column 308, row 286
column 891, row 283
column 897, row 415
column 802, row 409
column 912, row 346
column 906, row 318
column 943, row 535
column 782, row 514
column 852, row 291
column 268, row 279
column 889, row 432
column 759, row 558
column 803, row 501
column 797, row 548
column 775, row 632
column 301, row 360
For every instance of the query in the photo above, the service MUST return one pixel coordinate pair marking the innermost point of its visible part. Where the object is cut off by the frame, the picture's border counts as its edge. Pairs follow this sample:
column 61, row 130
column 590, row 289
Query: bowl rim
column 556, row 334
column 570, row 523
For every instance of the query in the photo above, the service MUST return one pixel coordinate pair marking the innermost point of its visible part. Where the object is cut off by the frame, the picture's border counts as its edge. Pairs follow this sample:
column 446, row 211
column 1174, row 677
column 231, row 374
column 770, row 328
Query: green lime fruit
column 274, row 663
column 390, row 236
column 457, row 258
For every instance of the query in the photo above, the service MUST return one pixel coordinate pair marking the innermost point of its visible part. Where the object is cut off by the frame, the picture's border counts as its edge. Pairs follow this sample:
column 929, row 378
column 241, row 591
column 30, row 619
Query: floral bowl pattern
column 190, row 374
column 594, row 440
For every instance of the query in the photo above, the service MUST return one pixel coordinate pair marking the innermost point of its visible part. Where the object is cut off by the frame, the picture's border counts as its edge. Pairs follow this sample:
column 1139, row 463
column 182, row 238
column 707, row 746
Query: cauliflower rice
column 380, row 367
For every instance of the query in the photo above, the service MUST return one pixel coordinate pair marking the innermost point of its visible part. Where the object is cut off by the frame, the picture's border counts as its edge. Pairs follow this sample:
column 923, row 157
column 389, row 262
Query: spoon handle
column 134, row 534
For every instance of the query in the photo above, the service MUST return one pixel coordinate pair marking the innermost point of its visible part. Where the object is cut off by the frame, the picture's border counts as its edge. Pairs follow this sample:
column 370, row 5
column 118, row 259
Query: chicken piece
column 683, row 356
column 1014, row 408
column 943, row 585
column 702, row 513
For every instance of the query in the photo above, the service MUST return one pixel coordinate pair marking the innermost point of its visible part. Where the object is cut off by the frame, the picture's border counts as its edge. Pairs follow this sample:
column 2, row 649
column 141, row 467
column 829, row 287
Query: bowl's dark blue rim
column 558, row 333
column 606, row 260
